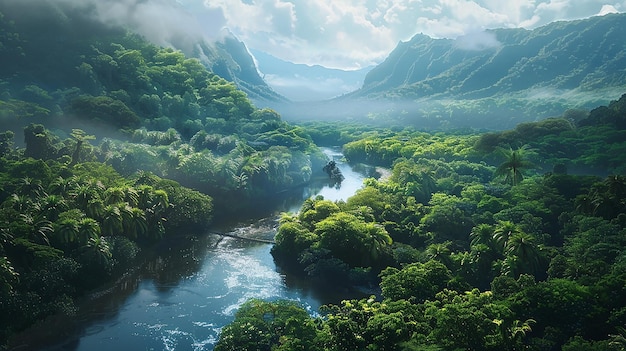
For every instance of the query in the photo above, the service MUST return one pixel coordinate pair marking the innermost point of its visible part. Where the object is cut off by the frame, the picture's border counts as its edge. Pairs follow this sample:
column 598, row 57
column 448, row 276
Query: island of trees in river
column 477, row 241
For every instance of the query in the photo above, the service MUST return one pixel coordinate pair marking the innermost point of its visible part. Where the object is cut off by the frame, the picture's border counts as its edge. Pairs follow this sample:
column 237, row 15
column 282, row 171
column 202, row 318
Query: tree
column 503, row 232
column 440, row 252
column 6, row 143
column 618, row 341
column 88, row 228
column 515, row 164
column 269, row 326
column 350, row 239
column 482, row 234
column 104, row 109
column 97, row 252
column 416, row 281
column 80, row 137
column 112, row 222
column 52, row 206
column 528, row 257
column 512, row 332
column 39, row 142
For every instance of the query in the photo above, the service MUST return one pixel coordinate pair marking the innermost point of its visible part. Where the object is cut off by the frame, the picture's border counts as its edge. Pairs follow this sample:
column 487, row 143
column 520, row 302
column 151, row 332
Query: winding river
column 181, row 298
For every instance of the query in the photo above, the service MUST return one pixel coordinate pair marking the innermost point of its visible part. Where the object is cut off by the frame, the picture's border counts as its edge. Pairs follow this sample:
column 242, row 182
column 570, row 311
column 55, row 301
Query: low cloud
column 476, row 41
column 347, row 34
column 354, row 33
column 163, row 22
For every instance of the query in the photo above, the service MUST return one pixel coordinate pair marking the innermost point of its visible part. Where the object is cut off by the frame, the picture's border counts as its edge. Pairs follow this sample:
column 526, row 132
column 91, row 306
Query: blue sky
column 350, row 34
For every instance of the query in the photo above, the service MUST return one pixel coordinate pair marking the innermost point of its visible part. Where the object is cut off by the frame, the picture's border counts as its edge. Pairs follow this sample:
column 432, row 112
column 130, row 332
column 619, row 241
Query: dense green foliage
column 473, row 248
column 507, row 77
column 67, row 226
column 177, row 119
column 496, row 241
column 165, row 145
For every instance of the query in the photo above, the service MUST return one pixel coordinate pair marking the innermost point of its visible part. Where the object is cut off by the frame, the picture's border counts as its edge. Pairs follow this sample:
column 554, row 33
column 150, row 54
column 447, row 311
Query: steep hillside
column 44, row 26
column 489, row 80
column 585, row 55
column 232, row 61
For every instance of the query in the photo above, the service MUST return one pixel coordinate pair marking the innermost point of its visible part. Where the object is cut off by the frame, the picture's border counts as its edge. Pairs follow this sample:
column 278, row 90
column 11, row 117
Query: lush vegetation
column 68, row 226
column 165, row 144
column 514, row 75
column 172, row 116
column 477, row 242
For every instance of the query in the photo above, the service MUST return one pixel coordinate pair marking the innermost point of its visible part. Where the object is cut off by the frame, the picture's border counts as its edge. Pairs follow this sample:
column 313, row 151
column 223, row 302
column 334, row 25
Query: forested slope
column 495, row 79
column 502, row 241
column 109, row 144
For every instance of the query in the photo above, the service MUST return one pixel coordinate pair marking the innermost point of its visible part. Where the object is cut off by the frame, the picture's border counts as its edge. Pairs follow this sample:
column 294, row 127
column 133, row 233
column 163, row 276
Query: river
column 184, row 295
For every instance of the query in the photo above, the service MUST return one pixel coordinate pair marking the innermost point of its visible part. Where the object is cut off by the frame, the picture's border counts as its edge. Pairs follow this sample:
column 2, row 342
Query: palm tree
column 31, row 187
column 88, row 228
column 618, row 341
column 376, row 240
column 138, row 225
column 86, row 192
column 94, row 208
column 63, row 186
column 5, row 237
column 112, row 223
column 503, row 231
column 133, row 220
column 523, row 246
column 40, row 228
column 161, row 201
column 97, row 250
column 66, row 230
column 482, row 234
column 512, row 332
column 131, row 196
column 52, row 206
column 440, row 252
column 21, row 203
column 512, row 169
column 80, row 137
column 114, row 195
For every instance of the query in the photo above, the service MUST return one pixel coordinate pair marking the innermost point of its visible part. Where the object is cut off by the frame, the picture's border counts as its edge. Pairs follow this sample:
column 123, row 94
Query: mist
column 163, row 22
column 432, row 114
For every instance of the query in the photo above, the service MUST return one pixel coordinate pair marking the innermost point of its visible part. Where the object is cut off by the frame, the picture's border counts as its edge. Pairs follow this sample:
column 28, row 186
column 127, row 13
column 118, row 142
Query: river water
column 181, row 298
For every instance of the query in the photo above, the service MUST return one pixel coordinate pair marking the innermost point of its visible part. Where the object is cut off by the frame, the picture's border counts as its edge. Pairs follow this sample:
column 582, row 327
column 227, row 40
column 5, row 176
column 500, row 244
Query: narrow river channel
column 180, row 299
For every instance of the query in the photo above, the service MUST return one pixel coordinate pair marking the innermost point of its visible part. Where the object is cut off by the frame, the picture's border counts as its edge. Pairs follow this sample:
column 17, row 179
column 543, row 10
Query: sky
column 351, row 34
column 344, row 34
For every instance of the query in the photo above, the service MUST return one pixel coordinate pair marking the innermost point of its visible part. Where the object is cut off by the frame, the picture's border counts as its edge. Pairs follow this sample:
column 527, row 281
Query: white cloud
column 356, row 33
column 606, row 9
column 341, row 34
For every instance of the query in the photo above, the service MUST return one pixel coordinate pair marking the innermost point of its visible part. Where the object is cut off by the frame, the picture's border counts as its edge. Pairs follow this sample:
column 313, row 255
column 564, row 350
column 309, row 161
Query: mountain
column 498, row 78
column 300, row 82
column 585, row 55
column 230, row 59
column 72, row 24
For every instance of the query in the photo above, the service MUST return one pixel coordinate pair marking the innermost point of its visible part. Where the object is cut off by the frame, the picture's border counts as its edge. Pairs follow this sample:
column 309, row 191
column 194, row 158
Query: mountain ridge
column 70, row 25
column 560, row 55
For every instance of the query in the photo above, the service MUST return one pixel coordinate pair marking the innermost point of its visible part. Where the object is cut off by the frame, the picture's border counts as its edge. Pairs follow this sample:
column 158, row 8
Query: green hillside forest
column 511, row 239
column 496, row 79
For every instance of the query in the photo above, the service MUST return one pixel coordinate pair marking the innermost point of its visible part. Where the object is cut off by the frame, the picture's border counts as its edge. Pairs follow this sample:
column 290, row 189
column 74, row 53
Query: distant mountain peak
column 584, row 55
column 302, row 82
